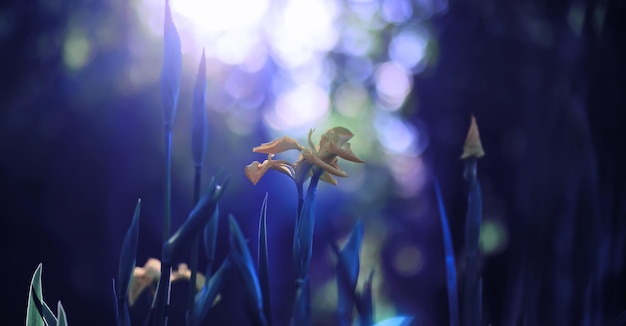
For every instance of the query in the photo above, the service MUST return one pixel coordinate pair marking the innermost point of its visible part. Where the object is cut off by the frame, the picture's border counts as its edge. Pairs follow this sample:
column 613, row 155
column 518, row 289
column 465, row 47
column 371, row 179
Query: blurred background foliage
column 80, row 141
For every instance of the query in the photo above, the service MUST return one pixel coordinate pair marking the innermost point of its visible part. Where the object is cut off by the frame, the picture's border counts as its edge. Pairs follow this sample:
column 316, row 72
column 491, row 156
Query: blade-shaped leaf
column 346, row 285
column 175, row 246
column 127, row 261
column 199, row 131
column 37, row 311
column 33, row 315
column 453, row 301
column 171, row 70
column 471, row 307
column 210, row 240
column 205, row 298
column 62, row 321
column 306, row 227
column 243, row 262
column 264, row 274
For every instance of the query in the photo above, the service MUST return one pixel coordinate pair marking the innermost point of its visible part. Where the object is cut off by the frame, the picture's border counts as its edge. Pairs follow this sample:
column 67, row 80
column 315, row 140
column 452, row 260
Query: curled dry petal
column 255, row 170
column 278, row 145
column 344, row 152
column 473, row 147
column 335, row 170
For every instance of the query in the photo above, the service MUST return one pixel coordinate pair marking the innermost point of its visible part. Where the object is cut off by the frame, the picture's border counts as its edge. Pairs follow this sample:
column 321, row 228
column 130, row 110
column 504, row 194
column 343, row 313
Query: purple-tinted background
column 76, row 153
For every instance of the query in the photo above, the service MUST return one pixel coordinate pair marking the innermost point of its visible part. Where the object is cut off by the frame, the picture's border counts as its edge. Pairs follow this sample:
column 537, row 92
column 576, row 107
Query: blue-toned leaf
column 243, row 262
column 210, row 240
column 176, row 245
column 171, row 70
column 205, row 298
column 396, row 321
column 126, row 265
column 472, row 313
column 199, row 130
column 264, row 273
column 346, row 284
column 302, row 309
column 62, row 320
column 305, row 228
column 453, row 300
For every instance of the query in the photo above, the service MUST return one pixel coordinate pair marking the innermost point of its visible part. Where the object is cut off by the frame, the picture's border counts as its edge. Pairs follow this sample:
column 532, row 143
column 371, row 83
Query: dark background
column 76, row 153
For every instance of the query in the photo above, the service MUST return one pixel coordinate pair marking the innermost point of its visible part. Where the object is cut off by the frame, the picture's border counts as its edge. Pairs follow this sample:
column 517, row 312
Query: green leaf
column 37, row 311
column 264, row 273
column 205, row 298
column 62, row 321
column 127, row 265
column 243, row 262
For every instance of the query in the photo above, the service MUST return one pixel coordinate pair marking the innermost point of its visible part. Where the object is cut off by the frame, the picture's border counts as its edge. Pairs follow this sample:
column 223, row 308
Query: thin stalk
column 193, row 261
column 471, row 294
column 162, row 297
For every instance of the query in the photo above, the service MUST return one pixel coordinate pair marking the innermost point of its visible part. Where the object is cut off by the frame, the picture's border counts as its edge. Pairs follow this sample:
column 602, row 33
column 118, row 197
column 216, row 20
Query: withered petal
column 327, row 167
column 344, row 152
column 278, row 145
column 255, row 170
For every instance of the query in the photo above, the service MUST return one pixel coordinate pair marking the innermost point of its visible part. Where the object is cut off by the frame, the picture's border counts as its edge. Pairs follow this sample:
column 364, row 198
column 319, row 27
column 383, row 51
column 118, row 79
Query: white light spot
column 301, row 106
column 234, row 47
column 408, row 49
column 397, row 136
column 218, row 15
column 392, row 84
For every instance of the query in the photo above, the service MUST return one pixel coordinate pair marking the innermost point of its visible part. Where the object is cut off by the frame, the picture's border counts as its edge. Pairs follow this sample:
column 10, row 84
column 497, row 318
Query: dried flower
column 333, row 144
column 473, row 147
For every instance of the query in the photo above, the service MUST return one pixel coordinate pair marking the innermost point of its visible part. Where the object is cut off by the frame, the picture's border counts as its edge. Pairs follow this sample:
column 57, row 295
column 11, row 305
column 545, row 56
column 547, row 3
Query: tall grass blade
column 243, row 262
column 264, row 273
column 126, row 266
column 62, row 320
column 453, row 300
